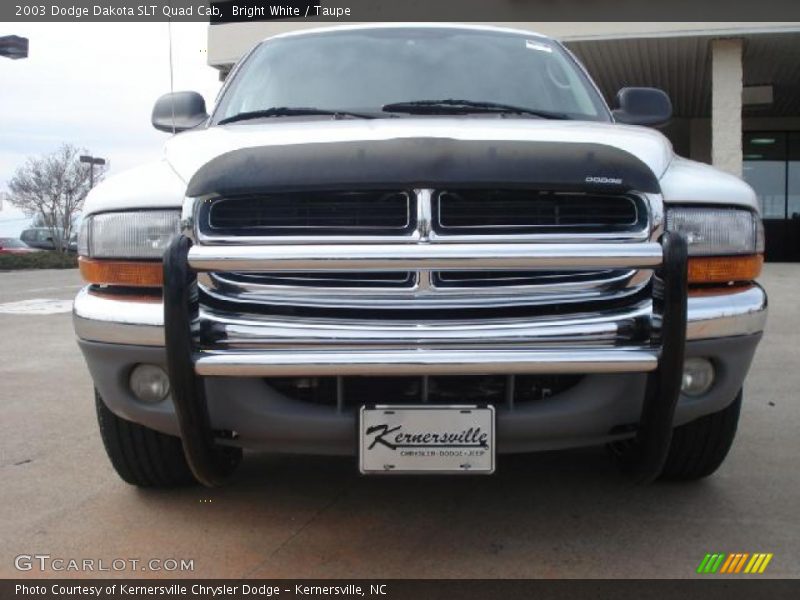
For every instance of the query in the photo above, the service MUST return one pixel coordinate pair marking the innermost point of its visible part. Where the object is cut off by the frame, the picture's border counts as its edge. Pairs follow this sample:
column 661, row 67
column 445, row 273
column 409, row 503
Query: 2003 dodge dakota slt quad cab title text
column 424, row 246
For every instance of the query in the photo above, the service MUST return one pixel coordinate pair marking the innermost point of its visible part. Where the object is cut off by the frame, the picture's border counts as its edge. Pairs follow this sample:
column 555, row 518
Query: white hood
column 189, row 151
column 163, row 184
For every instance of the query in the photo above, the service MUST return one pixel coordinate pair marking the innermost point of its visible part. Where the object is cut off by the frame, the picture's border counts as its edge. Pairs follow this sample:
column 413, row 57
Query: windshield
column 363, row 70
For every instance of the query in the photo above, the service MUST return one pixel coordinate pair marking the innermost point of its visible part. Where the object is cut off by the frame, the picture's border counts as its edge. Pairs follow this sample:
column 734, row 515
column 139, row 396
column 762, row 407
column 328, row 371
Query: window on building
column 765, row 167
column 772, row 167
column 793, row 176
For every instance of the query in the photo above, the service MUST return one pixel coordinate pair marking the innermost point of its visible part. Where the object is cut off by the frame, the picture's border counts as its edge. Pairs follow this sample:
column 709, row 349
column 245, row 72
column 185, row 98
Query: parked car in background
column 42, row 238
column 38, row 237
column 15, row 246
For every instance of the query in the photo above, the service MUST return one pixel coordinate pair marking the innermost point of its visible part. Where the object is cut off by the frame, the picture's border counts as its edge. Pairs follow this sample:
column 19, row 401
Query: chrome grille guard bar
column 416, row 257
column 662, row 358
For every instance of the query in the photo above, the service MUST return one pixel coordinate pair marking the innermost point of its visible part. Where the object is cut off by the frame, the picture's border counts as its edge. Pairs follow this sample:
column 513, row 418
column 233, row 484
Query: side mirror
column 642, row 106
column 179, row 111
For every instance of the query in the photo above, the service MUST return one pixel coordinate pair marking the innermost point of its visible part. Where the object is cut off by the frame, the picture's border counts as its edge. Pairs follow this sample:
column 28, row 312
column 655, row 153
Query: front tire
column 698, row 448
column 141, row 456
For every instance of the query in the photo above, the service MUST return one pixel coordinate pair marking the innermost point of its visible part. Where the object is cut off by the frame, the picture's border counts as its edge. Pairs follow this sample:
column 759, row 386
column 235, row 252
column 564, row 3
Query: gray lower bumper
column 588, row 414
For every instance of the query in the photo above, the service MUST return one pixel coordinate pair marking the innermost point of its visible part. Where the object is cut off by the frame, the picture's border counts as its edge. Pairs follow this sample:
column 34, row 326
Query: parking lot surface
column 566, row 514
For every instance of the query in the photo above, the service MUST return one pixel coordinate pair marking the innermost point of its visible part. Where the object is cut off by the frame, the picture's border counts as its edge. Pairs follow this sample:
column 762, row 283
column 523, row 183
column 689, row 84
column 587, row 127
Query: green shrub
column 38, row 260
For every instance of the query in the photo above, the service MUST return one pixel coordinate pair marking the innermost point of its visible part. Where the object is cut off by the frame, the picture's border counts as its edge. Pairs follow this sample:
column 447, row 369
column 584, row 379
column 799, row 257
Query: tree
column 52, row 189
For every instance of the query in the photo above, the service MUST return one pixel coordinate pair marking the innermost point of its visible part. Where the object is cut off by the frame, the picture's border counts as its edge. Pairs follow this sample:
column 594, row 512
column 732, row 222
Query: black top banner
column 229, row 11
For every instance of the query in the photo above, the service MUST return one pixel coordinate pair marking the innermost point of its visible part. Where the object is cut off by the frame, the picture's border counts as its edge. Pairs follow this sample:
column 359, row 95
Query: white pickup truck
column 423, row 247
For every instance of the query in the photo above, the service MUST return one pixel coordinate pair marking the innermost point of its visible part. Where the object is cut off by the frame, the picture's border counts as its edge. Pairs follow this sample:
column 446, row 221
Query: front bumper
column 116, row 334
column 628, row 387
column 140, row 322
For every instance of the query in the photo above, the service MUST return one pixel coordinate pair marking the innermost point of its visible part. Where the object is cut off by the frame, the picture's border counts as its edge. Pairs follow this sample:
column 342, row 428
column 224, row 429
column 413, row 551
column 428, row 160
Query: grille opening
column 449, row 389
column 312, row 213
column 328, row 279
column 457, row 279
column 530, row 211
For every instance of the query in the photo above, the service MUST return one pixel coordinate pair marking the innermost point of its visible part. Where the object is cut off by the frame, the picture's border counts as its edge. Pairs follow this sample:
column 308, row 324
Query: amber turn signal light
column 724, row 269
column 119, row 272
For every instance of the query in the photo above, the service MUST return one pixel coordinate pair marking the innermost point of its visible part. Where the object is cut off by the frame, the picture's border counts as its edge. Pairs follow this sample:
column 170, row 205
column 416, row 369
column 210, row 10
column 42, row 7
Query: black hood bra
column 424, row 163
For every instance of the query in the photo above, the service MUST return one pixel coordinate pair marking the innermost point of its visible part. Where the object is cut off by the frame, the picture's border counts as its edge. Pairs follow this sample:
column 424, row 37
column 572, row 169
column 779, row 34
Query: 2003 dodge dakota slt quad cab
column 424, row 247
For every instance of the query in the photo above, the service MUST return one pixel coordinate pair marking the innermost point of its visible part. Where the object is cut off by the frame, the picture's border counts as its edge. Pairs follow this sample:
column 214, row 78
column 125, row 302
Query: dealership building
column 735, row 89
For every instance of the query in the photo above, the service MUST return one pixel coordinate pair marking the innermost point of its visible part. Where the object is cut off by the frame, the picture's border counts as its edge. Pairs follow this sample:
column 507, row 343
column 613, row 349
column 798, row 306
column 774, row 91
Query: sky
column 93, row 85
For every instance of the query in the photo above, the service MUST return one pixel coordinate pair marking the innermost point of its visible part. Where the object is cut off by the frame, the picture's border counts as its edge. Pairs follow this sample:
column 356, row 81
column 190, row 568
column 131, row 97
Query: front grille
column 439, row 279
column 354, row 392
column 485, row 212
column 311, row 213
column 426, row 216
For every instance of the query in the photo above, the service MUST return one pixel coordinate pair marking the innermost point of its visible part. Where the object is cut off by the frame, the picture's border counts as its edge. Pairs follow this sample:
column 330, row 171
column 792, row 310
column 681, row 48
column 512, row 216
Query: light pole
column 92, row 160
column 13, row 47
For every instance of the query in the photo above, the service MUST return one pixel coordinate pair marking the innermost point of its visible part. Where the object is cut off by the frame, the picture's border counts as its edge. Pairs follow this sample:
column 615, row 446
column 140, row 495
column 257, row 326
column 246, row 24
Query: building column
column 726, row 105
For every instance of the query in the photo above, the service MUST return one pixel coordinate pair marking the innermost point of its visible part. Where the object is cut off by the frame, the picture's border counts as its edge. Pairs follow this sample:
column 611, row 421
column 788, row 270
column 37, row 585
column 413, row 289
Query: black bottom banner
column 394, row 589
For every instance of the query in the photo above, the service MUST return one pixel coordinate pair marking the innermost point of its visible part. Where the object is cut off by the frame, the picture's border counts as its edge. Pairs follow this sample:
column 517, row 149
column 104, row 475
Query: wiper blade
column 291, row 111
column 453, row 106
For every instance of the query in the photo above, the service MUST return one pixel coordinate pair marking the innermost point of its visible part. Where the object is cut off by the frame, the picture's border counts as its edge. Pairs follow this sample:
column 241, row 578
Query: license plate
column 427, row 439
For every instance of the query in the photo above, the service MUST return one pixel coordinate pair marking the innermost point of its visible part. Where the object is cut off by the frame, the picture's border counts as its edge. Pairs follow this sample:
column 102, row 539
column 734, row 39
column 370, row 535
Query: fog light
column 149, row 383
column 698, row 376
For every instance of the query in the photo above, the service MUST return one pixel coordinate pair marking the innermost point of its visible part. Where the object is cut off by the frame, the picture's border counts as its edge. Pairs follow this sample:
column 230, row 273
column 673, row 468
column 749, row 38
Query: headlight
column 718, row 231
column 725, row 244
column 124, row 248
column 140, row 234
